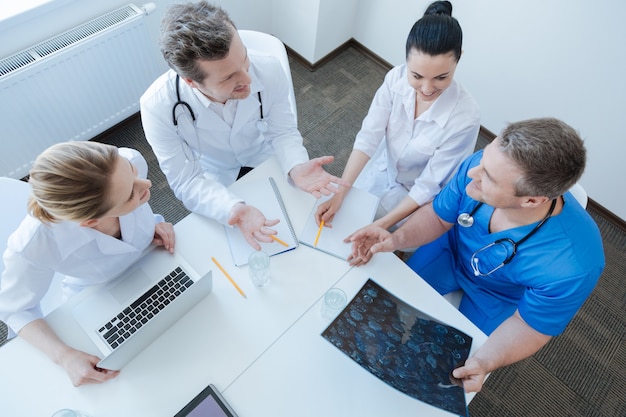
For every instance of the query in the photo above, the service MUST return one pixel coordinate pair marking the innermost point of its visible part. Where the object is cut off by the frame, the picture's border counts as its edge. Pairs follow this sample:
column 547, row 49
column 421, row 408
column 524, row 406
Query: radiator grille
column 75, row 85
column 66, row 39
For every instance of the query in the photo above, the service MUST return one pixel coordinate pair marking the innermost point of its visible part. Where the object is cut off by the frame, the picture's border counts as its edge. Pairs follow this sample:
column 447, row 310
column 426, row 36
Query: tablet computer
column 209, row 403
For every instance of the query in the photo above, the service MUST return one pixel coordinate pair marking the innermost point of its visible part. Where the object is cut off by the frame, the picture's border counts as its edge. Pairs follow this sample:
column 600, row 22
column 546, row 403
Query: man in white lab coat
column 218, row 112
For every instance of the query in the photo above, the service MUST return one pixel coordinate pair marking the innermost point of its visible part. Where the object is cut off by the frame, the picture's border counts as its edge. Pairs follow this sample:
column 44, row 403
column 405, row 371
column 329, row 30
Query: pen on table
column 232, row 281
column 279, row 241
column 319, row 232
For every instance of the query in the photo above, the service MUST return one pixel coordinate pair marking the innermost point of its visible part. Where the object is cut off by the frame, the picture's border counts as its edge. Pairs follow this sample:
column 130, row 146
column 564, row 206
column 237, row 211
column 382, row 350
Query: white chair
column 265, row 44
column 579, row 194
column 12, row 211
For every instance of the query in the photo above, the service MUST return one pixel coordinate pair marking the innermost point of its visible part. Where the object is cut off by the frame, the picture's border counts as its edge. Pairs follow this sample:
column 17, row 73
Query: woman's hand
column 81, row 368
column 164, row 236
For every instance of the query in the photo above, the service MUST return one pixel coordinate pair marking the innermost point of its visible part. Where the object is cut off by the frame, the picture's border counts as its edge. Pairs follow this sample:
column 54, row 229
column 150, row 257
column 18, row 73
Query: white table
column 304, row 375
column 264, row 352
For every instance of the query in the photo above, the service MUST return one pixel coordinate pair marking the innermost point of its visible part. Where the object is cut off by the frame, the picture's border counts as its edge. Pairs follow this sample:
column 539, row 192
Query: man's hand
column 312, row 178
column 164, row 236
column 252, row 224
column 367, row 241
column 472, row 374
column 512, row 341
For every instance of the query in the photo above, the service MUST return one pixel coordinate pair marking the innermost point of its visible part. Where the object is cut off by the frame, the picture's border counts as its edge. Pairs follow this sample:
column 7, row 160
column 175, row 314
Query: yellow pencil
column 279, row 241
column 232, row 281
column 319, row 232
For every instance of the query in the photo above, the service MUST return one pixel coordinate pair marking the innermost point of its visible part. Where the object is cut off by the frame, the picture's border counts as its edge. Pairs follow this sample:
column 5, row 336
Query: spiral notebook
column 265, row 196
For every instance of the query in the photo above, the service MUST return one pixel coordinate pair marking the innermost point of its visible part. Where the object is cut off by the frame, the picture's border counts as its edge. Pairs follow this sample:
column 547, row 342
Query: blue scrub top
column 550, row 277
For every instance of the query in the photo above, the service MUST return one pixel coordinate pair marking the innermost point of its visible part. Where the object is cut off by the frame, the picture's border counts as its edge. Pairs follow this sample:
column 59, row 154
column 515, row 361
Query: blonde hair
column 70, row 181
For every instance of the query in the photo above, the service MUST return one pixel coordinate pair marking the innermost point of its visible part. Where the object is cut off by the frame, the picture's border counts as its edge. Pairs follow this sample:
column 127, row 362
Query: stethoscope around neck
column 467, row 220
column 261, row 124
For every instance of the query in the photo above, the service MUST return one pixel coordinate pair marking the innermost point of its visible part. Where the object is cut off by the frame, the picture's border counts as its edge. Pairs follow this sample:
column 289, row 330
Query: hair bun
column 439, row 7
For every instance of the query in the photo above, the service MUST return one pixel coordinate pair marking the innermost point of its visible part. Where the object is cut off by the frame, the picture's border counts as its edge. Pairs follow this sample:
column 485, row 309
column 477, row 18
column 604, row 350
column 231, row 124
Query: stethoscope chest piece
column 465, row 220
column 262, row 126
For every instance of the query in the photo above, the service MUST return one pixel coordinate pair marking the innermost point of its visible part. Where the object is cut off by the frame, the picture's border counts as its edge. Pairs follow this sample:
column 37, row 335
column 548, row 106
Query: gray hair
column 192, row 32
column 549, row 152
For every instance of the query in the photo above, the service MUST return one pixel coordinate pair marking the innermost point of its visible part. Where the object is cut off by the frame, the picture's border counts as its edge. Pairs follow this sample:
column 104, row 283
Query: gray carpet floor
column 580, row 373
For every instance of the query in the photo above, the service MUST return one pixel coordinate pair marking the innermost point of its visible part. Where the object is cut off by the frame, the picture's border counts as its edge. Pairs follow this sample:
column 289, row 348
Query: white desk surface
column 264, row 352
column 304, row 375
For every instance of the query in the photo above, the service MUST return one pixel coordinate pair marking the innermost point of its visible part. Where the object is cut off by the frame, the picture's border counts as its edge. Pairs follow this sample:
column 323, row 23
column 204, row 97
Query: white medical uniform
column 201, row 161
column 36, row 251
column 414, row 157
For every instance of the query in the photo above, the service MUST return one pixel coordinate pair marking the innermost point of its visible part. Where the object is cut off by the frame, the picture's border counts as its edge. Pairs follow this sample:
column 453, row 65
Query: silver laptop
column 123, row 317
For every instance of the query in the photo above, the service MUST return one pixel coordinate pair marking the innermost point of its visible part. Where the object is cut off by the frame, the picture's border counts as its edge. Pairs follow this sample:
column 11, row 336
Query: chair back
column 265, row 44
column 579, row 194
column 12, row 211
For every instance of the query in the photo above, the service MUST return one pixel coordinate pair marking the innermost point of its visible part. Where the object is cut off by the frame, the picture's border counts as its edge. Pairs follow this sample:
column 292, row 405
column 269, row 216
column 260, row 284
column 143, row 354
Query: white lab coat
column 35, row 252
column 200, row 162
column 414, row 157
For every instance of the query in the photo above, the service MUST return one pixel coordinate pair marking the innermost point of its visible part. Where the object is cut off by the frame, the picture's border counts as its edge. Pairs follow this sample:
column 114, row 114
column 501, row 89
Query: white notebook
column 358, row 210
column 264, row 195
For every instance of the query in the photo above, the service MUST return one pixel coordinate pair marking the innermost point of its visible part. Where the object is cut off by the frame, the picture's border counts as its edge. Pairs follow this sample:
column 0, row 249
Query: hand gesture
column 367, row 241
column 312, row 178
column 253, row 224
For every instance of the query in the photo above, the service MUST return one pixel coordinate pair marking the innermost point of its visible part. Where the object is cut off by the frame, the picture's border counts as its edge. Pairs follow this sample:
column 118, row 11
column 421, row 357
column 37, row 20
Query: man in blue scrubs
column 506, row 232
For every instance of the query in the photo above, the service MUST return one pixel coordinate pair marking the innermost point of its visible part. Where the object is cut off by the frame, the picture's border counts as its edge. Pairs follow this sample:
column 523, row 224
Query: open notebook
column 358, row 210
column 264, row 195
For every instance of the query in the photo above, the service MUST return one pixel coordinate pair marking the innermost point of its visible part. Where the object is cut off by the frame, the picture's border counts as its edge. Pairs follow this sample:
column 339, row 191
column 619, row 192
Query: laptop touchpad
column 130, row 287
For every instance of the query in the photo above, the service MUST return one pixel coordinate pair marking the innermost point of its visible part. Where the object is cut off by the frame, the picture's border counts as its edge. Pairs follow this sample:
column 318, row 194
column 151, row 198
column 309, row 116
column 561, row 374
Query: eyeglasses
column 499, row 253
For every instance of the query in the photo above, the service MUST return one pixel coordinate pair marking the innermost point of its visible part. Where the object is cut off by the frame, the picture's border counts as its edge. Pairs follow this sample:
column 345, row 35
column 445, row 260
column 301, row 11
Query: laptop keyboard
column 136, row 315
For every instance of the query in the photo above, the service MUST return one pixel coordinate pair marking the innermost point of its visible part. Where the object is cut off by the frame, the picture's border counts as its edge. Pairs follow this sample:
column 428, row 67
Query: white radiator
column 74, row 86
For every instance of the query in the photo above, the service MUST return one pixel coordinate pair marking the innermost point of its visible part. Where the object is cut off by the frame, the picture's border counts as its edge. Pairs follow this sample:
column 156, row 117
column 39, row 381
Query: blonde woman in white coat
column 89, row 220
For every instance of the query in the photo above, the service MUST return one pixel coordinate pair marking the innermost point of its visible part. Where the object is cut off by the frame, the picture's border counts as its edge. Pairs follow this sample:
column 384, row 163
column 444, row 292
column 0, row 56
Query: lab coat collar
column 440, row 110
column 69, row 241
column 207, row 119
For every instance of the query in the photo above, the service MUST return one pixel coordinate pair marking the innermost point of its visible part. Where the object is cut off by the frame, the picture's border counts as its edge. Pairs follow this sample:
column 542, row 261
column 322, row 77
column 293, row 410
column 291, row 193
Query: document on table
column 402, row 346
column 358, row 210
column 265, row 196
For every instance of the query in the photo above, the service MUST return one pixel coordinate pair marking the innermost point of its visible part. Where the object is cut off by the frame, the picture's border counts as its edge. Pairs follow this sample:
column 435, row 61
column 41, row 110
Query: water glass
column 71, row 413
column 334, row 301
column 259, row 268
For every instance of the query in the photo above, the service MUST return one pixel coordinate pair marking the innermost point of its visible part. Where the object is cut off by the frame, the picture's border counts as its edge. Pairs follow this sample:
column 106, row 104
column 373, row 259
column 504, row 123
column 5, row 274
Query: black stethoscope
column 467, row 220
column 261, row 124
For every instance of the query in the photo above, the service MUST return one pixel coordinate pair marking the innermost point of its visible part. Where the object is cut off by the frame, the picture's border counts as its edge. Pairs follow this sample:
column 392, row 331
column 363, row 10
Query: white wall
column 560, row 58
column 534, row 58
column 336, row 21
column 522, row 59
column 295, row 23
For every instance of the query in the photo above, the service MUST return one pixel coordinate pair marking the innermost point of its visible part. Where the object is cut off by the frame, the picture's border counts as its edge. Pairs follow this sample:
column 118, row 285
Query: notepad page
column 265, row 197
column 358, row 210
